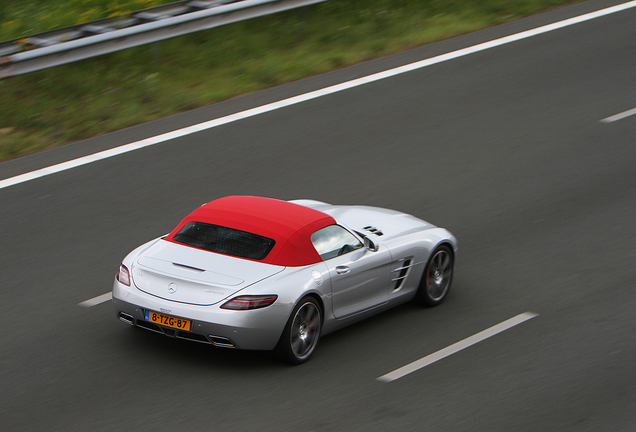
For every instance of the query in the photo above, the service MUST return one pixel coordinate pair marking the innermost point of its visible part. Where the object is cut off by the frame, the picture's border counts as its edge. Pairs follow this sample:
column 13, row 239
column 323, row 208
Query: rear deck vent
column 189, row 267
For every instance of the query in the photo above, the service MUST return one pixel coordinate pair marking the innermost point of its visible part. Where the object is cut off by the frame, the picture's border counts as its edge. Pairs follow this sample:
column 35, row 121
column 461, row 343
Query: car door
column 360, row 278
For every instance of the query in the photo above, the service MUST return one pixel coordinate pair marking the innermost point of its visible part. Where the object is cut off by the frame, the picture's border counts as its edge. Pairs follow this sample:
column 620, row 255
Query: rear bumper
column 252, row 330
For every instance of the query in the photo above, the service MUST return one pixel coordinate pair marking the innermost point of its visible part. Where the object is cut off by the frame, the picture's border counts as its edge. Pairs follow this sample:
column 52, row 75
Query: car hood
column 185, row 274
column 384, row 223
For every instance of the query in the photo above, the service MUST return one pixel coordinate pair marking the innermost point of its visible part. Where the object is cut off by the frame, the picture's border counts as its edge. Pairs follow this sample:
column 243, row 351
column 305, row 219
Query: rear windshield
column 224, row 240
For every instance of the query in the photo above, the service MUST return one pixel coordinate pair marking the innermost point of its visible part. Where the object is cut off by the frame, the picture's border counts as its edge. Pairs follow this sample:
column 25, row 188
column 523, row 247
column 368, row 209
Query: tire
column 437, row 277
column 302, row 332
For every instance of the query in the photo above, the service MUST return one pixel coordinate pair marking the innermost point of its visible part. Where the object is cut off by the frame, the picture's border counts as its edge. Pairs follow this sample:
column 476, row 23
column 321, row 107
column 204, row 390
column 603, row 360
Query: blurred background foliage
column 22, row 18
column 79, row 100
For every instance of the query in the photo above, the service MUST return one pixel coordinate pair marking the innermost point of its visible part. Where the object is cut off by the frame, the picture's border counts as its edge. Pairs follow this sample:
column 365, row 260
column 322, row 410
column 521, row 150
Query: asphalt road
column 504, row 147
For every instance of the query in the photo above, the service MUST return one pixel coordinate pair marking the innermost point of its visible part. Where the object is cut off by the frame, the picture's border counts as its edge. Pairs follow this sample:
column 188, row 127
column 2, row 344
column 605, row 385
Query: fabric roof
column 290, row 225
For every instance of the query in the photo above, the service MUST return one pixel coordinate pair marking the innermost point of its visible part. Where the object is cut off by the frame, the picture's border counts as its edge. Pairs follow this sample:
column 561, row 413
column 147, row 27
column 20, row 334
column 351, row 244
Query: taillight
column 248, row 302
column 124, row 275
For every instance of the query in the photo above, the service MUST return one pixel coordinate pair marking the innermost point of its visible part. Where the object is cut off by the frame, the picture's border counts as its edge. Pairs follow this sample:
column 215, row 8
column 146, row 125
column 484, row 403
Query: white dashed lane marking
column 96, row 300
column 456, row 347
column 619, row 116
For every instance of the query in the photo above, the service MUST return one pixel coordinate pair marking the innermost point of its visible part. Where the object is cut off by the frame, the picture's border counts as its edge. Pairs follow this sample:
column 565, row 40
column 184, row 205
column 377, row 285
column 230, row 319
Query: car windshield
column 228, row 241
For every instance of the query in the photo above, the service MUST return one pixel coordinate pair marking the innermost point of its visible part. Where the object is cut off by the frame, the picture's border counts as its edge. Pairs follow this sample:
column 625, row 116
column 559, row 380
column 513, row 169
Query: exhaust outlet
column 128, row 319
column 221, row 341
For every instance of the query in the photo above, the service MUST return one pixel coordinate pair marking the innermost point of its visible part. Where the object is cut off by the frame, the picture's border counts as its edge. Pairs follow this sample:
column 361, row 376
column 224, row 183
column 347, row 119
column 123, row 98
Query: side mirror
column 370, row 244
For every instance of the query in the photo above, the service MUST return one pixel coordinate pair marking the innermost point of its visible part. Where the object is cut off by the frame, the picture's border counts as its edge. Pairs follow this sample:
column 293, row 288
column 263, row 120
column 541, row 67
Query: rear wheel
column 437, row 277
column 302, row 332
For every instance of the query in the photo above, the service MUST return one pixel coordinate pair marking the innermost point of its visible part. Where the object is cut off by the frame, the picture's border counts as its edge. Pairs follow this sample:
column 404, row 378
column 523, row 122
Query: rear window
column 228, row 241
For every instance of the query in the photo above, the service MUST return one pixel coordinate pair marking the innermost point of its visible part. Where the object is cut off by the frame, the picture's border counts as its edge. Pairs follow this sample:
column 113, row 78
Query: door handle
column 342, row 269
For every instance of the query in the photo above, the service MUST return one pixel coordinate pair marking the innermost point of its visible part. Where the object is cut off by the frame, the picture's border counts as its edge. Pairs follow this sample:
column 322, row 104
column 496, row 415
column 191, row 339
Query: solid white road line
column 96, row 300
column 456, row 347
column 309, row 96
column 619, row 116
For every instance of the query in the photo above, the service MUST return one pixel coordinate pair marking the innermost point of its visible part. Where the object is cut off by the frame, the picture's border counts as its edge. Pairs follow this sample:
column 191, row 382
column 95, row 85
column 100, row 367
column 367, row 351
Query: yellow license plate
column 167, row 320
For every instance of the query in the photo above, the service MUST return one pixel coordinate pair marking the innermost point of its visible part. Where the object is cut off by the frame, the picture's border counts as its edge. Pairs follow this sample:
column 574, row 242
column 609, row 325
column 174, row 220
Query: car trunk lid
column 189, row 275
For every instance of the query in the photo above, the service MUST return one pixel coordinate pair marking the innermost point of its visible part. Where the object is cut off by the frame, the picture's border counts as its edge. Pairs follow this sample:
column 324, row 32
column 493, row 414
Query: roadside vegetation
column 20, row 18
column 79, row 100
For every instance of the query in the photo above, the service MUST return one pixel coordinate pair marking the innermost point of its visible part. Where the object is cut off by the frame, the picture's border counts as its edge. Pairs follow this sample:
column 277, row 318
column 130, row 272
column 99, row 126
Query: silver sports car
column 259, row 273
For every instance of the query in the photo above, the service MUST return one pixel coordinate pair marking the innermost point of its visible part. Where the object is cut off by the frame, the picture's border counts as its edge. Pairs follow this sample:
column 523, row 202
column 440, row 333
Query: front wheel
column 302, row 332
column 437, row 277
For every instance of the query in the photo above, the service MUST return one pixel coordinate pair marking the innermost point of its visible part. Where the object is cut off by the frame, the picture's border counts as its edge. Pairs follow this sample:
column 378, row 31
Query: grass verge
column 76, row 101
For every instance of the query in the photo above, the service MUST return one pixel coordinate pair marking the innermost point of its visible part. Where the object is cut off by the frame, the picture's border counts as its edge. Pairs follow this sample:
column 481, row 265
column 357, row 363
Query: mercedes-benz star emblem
column 172, row 288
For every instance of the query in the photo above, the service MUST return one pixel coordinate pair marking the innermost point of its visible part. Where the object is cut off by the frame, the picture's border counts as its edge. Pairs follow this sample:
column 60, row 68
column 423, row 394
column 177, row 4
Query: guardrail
column 151, row 25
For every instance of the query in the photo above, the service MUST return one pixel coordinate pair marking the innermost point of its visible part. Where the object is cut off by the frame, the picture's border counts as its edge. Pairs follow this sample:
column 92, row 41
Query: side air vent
column 401, row 273
column 374, row 230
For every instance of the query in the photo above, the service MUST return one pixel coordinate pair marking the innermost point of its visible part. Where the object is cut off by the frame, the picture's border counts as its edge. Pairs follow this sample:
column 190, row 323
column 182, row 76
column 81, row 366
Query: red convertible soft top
column 290, row 225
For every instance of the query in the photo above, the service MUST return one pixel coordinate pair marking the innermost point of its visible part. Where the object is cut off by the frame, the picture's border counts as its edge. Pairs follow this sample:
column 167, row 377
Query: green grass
column 20, row 18
column 76, row 101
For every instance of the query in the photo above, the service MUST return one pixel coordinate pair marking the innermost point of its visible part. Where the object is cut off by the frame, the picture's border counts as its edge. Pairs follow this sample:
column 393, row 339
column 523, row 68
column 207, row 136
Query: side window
column 333, row 241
